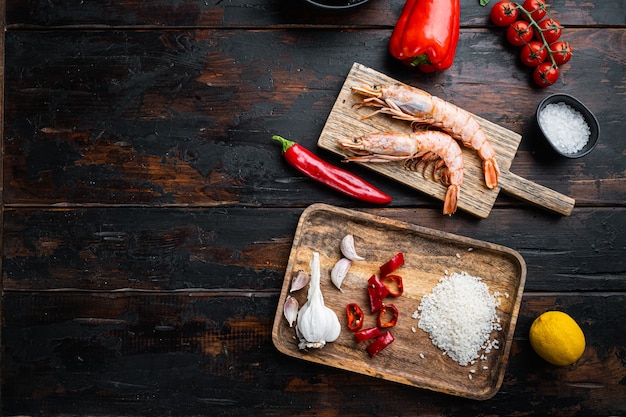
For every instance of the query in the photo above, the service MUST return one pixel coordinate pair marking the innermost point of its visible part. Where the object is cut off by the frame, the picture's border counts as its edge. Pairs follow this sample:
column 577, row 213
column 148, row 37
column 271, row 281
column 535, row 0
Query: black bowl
column 589, row 117
column 336, row 4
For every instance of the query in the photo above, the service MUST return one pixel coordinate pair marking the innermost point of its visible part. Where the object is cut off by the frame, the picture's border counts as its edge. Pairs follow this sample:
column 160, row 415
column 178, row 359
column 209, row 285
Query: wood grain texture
column 429, row 256
column 264, row 13
column 185, row 118
column 175, row 249
column 346, row 121
column 148, row 218
column 133, row 353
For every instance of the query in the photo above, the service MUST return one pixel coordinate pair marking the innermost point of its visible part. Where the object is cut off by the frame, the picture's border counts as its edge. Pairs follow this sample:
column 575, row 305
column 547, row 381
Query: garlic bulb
column 347, row 248
column 339, row 272
column 317, row 324
column 290, row 310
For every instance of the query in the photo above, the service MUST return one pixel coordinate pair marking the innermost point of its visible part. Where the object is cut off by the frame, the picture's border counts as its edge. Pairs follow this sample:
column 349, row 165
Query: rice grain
column 459, row 316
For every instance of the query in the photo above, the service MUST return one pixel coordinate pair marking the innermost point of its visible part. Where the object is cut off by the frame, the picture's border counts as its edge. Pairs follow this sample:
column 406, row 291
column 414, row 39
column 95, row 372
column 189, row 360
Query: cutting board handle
column 536, row 194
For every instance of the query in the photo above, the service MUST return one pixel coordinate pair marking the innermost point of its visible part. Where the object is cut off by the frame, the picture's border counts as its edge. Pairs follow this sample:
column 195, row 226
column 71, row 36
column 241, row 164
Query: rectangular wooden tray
column 345, row 121
column 428, row 255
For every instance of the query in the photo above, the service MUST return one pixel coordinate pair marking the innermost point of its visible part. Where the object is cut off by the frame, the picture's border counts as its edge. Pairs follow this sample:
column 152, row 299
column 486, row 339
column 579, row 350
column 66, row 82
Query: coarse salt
column 565, row 127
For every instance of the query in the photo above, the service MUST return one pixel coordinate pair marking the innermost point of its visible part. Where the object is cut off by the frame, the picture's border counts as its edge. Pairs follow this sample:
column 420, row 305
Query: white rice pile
column 459, row 315
column 565, row 127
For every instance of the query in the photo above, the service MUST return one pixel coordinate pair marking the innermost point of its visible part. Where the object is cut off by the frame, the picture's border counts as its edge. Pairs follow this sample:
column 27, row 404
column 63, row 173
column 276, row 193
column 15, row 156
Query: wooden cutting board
column 429, row 255
column 345, row 121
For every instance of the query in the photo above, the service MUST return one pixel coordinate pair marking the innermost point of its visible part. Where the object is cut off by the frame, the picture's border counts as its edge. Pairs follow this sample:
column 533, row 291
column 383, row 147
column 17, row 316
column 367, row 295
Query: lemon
column 557, row 338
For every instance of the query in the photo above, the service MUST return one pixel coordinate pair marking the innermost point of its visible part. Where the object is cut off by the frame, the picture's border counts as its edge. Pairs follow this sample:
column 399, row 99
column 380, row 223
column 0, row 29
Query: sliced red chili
column 394, row 263
column 395, row 286
column 355, row 316
column 387, row 316
column 376, row 291
column 367, row 334
column 380, row 343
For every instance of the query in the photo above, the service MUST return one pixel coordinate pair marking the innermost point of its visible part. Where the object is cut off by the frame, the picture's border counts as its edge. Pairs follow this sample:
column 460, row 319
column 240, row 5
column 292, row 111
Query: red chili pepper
column 355, row 316
column 380, row 343
column 394, row 263
column 396, row 288
column 427, row 33
column 367, row 334
column 376, row 291
column 383, row 321
column 334, row 177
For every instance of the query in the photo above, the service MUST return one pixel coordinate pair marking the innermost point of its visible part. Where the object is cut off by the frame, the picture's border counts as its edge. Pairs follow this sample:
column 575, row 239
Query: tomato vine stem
column 534, row 23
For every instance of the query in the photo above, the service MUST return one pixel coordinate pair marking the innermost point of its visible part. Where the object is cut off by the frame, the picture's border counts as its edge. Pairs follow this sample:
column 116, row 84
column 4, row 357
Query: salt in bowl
column 562, row 128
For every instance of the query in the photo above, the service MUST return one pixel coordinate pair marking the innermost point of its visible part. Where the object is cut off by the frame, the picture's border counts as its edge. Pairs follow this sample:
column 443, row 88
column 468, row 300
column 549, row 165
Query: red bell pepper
column 380, row 343
column 426, row 34
column 355, row 317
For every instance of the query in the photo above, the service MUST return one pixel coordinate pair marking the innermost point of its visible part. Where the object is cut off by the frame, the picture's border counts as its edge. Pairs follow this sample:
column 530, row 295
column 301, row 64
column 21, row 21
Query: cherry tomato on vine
column 519, row 33
column 545, row 74
column 533, row 53
column 551, row 30
column 561, row 52
column 536, row 8
column 503, row 13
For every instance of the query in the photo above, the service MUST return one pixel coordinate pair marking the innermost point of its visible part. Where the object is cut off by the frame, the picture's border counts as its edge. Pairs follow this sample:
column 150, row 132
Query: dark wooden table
column 148, row 217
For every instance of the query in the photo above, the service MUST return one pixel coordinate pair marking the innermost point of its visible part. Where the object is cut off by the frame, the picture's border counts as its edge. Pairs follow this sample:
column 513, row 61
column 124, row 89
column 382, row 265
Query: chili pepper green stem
column 286, row 143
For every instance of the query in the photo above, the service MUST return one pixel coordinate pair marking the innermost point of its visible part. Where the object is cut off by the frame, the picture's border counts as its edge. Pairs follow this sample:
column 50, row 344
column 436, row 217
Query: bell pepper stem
column 420, row 60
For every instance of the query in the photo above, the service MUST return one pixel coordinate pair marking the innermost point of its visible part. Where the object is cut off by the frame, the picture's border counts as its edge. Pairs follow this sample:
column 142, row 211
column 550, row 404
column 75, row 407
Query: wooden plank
column 264, row 13
column 344, row 122
column 84, row 126
column 170, row 249
column 132, row 353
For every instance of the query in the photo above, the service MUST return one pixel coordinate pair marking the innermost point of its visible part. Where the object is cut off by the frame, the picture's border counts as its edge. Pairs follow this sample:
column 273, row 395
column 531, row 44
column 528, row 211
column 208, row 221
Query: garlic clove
column 299, row 281
column 290, row 310
column 348, row 250
column 339, row 272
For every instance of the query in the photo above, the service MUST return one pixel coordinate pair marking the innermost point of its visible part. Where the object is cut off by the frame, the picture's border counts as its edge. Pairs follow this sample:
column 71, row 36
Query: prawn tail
column 491, row 172
column 451, row 200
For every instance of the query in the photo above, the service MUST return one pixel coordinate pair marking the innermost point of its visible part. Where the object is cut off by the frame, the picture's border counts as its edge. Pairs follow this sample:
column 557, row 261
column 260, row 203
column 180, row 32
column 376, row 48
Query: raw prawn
column 417, row 106
column 415, row 148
